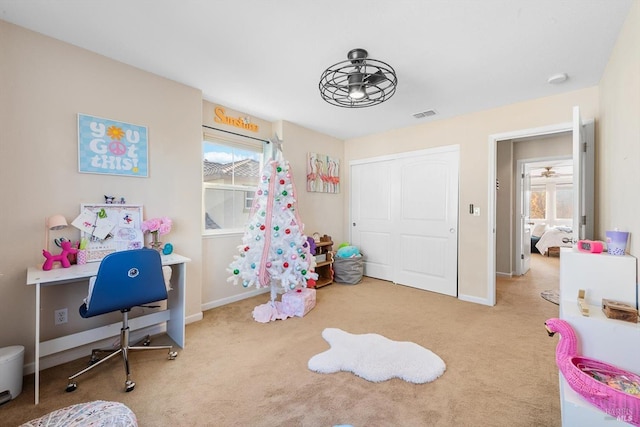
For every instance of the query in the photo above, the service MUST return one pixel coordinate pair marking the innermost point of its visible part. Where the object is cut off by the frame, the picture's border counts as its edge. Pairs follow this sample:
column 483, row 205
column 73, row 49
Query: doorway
column 544, row 205
column 583, row 160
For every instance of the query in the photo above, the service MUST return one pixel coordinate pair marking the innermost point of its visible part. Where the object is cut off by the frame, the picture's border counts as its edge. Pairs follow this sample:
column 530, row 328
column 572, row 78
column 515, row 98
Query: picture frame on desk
column 125, row 234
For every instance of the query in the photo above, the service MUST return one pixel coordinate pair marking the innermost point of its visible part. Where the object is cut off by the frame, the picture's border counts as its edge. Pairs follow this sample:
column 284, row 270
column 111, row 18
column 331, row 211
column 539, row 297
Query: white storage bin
column 11, row 361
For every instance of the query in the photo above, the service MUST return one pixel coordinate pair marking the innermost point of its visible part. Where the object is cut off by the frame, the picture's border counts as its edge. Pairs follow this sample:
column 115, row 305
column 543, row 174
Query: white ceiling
column 265, row 58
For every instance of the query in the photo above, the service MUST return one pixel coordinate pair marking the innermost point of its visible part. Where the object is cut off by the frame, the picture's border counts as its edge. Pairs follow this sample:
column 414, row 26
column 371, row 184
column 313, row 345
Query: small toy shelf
column 324, row 261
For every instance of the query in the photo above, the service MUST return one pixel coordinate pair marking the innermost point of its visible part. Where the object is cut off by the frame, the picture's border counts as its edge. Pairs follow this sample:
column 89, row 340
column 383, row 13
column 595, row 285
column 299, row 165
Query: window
column 538, row 203
column 230, row 174
column 564, row 201
column 551, row 202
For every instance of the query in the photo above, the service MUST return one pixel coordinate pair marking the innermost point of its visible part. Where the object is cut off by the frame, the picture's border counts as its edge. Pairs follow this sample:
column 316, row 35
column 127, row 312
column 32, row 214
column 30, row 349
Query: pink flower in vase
column 157, row 225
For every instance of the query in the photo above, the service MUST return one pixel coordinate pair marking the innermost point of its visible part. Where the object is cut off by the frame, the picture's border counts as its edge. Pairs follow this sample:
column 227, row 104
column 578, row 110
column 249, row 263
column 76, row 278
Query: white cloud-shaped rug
column 376, row 358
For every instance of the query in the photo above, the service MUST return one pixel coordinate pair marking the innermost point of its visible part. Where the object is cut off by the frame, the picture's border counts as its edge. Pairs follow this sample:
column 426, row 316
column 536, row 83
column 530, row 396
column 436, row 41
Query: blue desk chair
column 125, row 279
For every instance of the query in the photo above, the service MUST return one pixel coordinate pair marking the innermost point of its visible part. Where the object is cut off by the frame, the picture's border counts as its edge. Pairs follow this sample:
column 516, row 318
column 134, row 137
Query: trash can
column 11, row 362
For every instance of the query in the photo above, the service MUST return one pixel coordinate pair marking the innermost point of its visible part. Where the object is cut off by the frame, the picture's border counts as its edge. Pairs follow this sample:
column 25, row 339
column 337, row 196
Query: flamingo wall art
column 323, row 173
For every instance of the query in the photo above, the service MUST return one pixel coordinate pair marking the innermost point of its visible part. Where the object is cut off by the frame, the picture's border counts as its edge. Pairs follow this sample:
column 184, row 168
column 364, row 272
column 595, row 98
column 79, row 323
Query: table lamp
column 55, row 222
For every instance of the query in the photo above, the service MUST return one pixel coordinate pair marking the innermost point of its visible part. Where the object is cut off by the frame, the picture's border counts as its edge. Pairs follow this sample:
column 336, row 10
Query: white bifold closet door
column 404, row 217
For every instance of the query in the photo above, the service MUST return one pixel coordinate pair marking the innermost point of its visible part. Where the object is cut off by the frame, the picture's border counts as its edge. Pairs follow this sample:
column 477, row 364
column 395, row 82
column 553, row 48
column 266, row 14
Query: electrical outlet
column 61, row 316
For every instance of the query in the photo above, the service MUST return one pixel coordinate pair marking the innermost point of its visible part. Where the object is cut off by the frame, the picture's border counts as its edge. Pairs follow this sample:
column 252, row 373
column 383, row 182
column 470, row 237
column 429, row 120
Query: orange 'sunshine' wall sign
column 239, row 122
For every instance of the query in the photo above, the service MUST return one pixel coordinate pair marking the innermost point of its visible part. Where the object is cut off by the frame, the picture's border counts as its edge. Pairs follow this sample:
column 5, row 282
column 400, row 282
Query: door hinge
column 583, row 220
column 584, row 147
column 521, row 256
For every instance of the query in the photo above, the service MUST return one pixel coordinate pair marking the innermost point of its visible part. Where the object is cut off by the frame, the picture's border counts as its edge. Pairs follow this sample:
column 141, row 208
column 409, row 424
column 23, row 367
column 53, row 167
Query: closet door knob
column 452, row 230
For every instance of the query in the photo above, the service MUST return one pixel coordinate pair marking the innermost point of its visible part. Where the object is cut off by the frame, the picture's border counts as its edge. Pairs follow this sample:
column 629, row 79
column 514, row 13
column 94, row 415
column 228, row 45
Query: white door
column 578, row 159
column 410, row 235
column 371, row 222
column 583, row 178
column 426, row 246
column 525, row 220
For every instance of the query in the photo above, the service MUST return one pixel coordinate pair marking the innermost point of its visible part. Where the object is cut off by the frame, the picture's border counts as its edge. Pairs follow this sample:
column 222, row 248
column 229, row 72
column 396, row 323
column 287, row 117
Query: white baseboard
column 224, row 301
column 470, row 298
column 193, row 318
column 498, row 273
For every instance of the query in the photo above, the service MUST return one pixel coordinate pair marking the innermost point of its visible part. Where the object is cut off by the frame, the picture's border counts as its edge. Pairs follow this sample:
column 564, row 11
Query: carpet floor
column 233, row 371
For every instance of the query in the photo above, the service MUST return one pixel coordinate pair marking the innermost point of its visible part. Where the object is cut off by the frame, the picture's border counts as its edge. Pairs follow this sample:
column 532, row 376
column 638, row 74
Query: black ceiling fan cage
column 375, row 80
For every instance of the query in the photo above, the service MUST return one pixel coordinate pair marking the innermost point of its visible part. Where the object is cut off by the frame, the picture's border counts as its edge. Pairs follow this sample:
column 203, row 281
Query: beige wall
column 321, row 212
column 471, row 132
column 44, row 85
column 618, row 137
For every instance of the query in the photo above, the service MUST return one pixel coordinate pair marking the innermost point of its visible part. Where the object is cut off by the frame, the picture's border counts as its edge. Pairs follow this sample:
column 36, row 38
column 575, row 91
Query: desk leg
column 37, row 347
column 176, row 304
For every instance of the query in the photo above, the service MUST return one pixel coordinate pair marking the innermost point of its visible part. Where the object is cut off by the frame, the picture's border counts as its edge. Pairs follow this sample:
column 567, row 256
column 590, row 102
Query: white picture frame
column 124, row 222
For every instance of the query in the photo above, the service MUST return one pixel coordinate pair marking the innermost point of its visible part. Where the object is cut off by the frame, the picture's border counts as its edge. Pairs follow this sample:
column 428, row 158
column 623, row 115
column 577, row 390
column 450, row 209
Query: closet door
column 426, row 223
column 404, row 214
column 371, row 221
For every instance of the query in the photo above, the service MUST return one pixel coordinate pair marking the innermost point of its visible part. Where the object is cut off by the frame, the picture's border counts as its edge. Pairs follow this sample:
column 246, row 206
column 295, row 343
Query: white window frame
column 551, row 218
column 236, row 141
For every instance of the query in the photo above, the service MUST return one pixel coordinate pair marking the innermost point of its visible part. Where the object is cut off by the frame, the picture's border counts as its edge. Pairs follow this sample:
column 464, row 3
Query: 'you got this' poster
column 111, row 147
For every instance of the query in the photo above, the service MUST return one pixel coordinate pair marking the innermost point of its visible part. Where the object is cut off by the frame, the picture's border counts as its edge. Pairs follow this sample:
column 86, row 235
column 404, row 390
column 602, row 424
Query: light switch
column 476, row 211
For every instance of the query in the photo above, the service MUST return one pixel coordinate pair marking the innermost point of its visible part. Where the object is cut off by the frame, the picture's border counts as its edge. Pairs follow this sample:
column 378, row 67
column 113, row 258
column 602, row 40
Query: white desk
column 174, row 315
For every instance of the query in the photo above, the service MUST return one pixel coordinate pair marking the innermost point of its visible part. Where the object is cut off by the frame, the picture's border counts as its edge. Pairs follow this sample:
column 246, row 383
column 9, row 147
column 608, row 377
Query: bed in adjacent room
column 551, row 239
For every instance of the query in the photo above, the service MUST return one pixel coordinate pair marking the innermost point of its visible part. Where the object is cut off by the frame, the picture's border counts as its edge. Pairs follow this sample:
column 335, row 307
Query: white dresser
column 613, row 341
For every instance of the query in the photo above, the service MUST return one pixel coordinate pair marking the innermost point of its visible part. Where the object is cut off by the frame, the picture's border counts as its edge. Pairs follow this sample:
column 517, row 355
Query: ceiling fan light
column 357, row 93
column 356, row 87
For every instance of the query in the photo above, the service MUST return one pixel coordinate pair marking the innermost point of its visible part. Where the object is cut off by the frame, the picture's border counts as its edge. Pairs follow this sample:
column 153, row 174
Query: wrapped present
column 299, row 301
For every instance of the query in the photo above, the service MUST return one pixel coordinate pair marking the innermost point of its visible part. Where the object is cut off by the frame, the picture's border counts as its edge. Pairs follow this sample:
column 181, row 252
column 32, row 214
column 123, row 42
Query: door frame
column 491, row 202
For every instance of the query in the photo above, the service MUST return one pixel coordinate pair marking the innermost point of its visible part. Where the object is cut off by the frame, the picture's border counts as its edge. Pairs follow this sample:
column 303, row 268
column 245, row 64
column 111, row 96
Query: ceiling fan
column 547, row 172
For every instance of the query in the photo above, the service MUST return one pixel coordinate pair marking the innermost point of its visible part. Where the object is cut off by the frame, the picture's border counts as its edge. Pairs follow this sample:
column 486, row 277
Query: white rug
column 376, row 358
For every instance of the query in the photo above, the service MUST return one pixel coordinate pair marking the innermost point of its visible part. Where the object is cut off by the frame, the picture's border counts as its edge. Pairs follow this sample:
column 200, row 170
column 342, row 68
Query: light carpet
column 376, row 358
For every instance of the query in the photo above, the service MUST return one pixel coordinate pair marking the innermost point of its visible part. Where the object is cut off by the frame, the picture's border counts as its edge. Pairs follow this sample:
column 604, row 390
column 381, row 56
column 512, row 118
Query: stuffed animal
column 62, row 257
column 348, row 252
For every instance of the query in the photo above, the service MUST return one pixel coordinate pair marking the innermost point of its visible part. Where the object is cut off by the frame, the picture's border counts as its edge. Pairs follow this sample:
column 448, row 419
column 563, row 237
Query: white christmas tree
column 275, row 252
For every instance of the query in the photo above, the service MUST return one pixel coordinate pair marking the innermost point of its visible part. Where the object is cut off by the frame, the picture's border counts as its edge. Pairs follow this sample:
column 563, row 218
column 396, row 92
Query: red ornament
column 287, row 231
column 289, row 205
column 282, row 182
column 246, row 248
column 262, row 227
column 285, row 264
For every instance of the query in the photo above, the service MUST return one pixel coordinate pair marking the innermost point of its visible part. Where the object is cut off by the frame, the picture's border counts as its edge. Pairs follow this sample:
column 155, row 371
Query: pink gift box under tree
column 299, row 301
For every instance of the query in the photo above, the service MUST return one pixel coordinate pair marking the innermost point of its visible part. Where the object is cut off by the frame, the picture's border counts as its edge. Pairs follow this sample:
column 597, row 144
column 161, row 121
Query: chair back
column 126, row 279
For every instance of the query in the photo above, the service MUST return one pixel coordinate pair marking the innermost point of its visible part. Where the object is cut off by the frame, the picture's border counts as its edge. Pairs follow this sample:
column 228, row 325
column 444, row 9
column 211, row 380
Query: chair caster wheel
column 71, row 387
column 173, row 355
column 129, row 386
column 146, row 342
